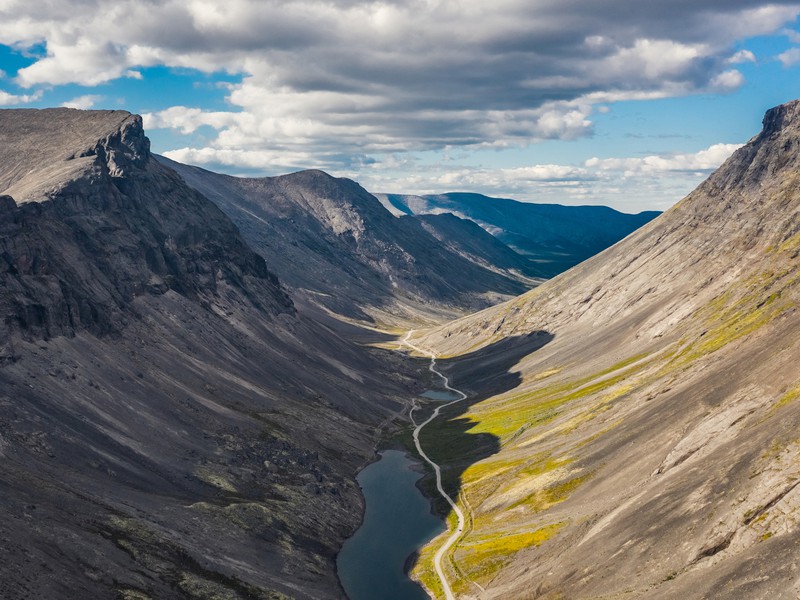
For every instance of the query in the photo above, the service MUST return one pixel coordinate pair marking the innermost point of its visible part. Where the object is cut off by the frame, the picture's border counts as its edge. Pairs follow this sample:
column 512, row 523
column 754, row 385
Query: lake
column 397, row 522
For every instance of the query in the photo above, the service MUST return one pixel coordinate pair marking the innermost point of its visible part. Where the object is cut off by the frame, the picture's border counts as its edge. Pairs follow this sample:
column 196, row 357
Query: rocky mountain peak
column 88, row 223
column 782, row 117
column 41, row 151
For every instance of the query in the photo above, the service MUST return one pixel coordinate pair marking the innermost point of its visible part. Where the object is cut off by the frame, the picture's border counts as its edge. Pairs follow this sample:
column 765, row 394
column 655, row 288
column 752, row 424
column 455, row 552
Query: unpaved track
column 437, row 560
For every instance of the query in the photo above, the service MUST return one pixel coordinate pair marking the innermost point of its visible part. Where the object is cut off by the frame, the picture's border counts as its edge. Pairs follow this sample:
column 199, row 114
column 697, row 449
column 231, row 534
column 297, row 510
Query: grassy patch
column 790, row 396
column 481, row 559
column 545, row 498
column 738, row 312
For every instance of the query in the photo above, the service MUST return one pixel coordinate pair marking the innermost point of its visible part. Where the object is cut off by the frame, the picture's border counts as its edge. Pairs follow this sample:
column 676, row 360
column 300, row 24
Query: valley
column 194, row 367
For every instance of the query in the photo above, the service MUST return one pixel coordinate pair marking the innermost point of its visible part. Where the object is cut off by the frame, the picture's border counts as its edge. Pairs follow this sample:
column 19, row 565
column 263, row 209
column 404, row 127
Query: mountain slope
column 333, row 240
column 171, row 424
column 648, row 448
column 554, row 237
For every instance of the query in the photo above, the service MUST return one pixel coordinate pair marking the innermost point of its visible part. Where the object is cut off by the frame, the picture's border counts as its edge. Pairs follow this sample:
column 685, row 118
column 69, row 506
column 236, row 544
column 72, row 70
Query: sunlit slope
column 650, row 446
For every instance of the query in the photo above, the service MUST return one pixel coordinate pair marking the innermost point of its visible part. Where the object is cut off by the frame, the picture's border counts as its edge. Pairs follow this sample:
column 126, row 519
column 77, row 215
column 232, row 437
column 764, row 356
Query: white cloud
column 83, row 102
column 703, row 161
column 650, row 60
column 187, row 120
column 727, row 81
column 790, row 58
column 7, row 99
column 742, row 56
column 344, row 80
column 794, row 36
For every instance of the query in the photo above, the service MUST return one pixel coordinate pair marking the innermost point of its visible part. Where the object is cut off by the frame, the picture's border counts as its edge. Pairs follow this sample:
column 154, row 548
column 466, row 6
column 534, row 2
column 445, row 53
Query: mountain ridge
column 555, row 237
column 332, row 240
column 649, row 446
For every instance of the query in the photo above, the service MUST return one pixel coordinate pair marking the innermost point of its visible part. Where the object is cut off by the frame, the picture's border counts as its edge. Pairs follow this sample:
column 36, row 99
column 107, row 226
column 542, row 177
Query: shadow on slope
column 450, row 439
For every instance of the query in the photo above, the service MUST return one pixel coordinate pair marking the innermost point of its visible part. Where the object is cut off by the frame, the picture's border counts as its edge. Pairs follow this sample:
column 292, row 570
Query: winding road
column 437, row 560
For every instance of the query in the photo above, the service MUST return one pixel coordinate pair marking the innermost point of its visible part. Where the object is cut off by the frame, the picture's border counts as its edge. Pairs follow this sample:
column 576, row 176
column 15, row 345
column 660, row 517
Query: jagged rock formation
column 330, row 239
column 99, row 224
column 553, row 237
column 171, row 425
column 648, row 448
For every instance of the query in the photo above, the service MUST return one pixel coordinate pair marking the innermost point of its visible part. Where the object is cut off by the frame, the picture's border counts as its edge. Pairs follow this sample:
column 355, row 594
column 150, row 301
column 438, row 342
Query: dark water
column 440, row 395
column 397, row 522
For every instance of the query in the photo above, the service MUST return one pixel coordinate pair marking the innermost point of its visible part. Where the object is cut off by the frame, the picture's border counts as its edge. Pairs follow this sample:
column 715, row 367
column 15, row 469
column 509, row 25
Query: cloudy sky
column 621, row 102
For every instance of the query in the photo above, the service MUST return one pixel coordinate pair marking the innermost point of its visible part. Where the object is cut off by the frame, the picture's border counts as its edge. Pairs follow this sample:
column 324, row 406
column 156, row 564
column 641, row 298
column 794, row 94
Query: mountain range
column 194, row 367
column 552, row 236
column 172, row 425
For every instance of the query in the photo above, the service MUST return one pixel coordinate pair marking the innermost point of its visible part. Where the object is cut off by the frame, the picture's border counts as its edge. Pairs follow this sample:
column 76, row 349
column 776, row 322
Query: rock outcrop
column 96, row 224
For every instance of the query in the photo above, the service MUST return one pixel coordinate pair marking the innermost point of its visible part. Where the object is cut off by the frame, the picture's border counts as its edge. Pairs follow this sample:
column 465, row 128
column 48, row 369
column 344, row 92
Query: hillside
column 332, row 242
column 172, row 425
column 552, row 236
column 633, row 426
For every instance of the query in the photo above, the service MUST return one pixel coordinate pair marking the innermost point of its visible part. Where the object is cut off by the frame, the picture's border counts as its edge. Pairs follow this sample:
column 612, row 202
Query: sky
column 626, row 103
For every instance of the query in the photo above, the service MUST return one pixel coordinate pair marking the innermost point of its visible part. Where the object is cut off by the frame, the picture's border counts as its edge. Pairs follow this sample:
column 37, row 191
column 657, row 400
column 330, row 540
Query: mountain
column 632, row 429
column 172, row 423
column 554, row 237
column 333, row 243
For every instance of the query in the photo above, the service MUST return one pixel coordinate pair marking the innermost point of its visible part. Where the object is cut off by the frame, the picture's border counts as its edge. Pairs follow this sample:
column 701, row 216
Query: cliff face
column 90, row 223
column 170, row 425
column 650, row 448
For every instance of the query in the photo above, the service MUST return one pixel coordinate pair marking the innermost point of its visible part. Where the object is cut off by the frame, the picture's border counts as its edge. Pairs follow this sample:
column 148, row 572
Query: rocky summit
column 632, row 428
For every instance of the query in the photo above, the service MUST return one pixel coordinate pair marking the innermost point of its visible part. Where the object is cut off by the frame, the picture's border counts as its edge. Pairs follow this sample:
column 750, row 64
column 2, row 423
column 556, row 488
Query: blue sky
column 629, row 104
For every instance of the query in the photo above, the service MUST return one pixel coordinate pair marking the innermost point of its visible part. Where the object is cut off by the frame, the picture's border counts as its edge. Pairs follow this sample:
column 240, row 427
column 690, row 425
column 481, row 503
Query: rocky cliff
column 648, row 447
column 89, row 223
column 171, row 426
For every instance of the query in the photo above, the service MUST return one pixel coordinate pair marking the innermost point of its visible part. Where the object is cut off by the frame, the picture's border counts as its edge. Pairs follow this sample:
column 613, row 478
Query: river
column 397, row 522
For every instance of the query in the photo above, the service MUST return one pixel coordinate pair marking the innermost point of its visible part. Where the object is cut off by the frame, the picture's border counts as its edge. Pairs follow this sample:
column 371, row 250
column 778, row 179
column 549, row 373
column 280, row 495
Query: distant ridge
column 333, row 242
column 555, row 237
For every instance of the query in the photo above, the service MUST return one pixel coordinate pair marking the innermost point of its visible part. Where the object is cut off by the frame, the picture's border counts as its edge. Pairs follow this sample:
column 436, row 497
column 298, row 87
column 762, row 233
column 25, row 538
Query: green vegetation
column 543, row 499
column 480, row 560
column 790, row 396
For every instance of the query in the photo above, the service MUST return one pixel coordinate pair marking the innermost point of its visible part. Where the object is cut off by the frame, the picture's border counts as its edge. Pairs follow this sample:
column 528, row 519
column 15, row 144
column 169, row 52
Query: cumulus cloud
column 742, row 56
column 7, row 99
column 342, row 80
column 790, row 58
column 703, row 161
column 618, row 182
column 83, row 102
column 727, row 81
